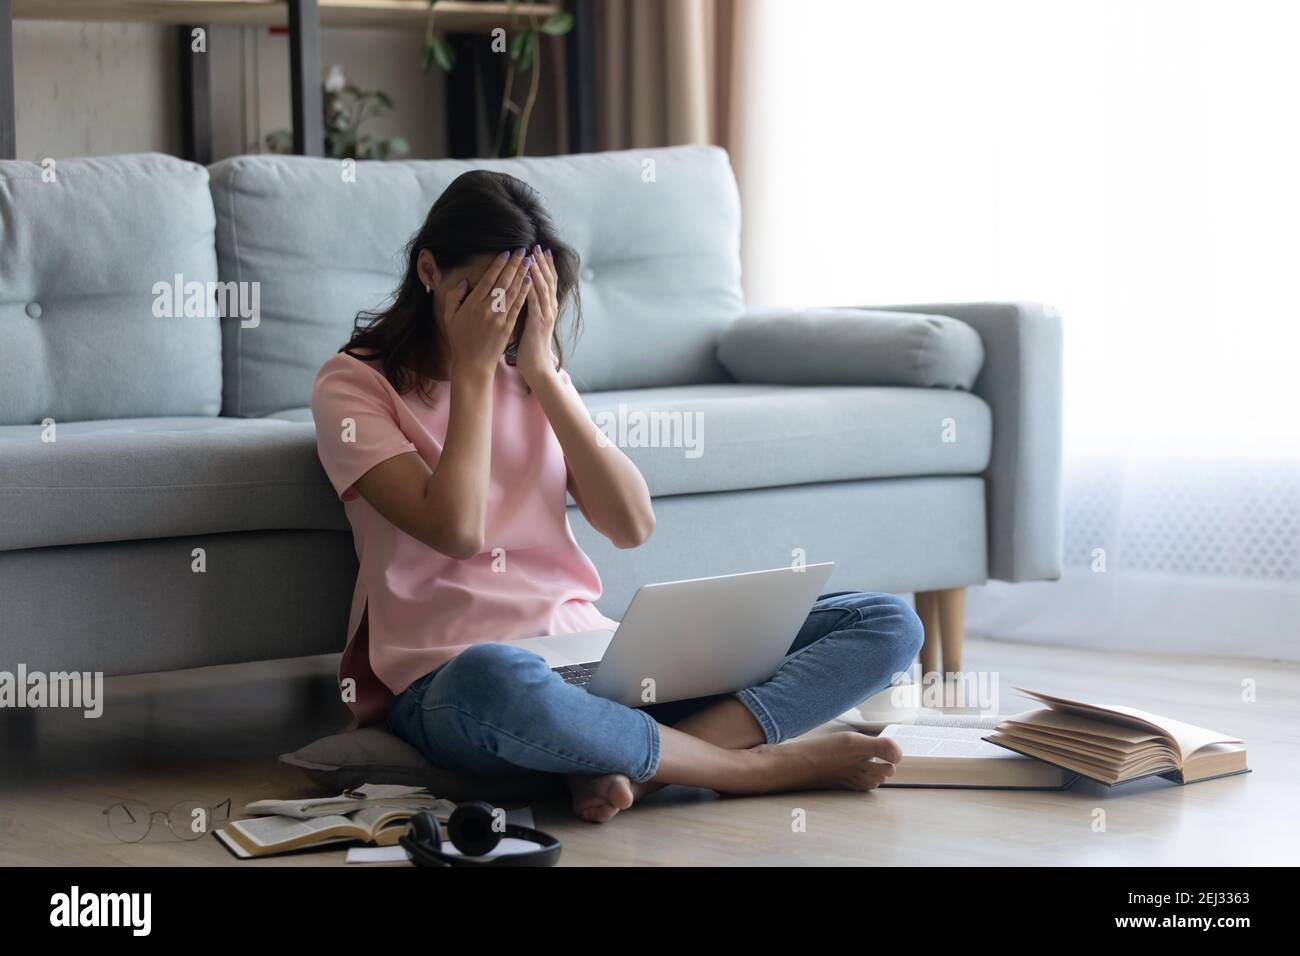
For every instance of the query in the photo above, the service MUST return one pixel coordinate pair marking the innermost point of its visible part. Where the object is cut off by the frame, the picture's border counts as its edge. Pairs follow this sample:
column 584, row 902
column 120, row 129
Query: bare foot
column 838, row 761
column 598, row 799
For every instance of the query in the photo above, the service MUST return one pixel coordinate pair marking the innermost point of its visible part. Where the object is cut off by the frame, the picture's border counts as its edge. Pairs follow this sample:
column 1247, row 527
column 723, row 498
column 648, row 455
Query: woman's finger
column 453, row 298
column 546, row 264
column 540, row 278
column 515, row 293
column 538, row 313
column 502, row 290
column 508, row 279
column 524, row 294
column 550, row 269
column 488, row 280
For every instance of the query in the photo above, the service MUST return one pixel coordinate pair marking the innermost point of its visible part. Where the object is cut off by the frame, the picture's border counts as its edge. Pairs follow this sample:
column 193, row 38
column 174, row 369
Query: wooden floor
column 215, row 733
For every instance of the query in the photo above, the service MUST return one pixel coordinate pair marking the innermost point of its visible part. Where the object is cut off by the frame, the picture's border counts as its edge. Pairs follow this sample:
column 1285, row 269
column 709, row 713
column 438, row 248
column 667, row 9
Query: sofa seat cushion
column 159, row 477
column 704, row 438
column 689, row 439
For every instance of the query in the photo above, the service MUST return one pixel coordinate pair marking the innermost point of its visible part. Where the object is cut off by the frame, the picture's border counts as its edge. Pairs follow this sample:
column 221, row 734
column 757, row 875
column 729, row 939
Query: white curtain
column 1135, row 163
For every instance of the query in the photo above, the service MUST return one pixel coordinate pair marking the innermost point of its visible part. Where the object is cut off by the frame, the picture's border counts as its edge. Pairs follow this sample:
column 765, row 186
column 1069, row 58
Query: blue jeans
column 496, row 709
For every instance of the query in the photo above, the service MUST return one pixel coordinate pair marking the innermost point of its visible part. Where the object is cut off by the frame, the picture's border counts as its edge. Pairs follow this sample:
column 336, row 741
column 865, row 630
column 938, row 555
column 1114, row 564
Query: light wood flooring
column 215, row 733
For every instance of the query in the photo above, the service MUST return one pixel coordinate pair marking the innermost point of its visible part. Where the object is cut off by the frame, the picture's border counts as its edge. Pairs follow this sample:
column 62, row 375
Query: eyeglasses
column 130, row 821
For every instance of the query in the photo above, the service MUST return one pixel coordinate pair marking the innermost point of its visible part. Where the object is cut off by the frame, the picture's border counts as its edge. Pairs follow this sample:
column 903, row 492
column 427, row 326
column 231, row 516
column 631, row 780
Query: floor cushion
column 372, row 755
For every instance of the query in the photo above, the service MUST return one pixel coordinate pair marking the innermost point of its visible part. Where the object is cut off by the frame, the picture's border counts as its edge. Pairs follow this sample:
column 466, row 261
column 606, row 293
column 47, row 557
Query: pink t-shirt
column 415, row 608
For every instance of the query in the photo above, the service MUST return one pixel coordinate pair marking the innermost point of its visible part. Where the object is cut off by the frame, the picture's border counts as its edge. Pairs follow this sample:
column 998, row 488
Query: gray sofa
column 161, row 504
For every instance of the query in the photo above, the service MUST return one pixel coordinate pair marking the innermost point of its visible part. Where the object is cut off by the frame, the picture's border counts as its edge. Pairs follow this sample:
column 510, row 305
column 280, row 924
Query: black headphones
column 472, row 830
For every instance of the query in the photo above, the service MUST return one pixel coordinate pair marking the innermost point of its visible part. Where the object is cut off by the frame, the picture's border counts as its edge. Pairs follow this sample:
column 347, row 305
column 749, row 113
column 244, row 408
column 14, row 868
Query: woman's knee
column 485, row 677
column 890, row 618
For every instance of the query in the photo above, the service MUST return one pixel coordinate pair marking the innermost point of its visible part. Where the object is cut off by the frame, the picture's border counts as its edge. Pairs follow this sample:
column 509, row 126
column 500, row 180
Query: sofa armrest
column 1021, row 381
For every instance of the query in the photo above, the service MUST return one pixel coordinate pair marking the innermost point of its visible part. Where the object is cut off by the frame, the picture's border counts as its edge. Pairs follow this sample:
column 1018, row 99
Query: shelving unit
column 304, row 18
column 454, row 16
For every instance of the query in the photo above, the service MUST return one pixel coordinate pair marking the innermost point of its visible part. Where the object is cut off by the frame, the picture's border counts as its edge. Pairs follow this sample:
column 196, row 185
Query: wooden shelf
column 453, row 16
column 308, row 17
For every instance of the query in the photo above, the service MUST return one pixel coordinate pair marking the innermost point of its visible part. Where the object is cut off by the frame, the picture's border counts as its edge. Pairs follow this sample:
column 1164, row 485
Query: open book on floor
column 944, row 755
column 390, row 796
column 377, row 814
column 1113, row 744
column 268, row 836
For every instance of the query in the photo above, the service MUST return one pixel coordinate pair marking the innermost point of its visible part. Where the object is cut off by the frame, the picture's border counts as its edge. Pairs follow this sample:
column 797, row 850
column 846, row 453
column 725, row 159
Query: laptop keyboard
column 579, row 675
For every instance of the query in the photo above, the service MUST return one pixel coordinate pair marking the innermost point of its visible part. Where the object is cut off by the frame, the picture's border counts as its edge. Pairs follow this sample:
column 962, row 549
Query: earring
column 428, row 291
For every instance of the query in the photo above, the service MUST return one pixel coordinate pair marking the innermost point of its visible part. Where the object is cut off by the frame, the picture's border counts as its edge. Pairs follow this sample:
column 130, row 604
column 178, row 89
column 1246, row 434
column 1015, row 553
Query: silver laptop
column 688, row 639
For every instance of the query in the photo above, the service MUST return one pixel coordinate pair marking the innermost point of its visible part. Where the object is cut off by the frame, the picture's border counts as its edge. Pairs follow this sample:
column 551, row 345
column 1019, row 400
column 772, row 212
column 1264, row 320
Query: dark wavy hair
column 480, row 212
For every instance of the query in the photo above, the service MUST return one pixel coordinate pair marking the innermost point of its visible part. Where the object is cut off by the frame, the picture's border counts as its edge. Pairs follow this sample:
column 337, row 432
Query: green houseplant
column 347, row 109
column 524, row 57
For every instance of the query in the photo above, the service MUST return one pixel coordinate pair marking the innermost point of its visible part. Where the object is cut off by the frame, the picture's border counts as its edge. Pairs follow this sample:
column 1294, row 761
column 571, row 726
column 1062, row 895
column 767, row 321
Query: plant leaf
column 558, row 24
column 529, row 48
column 438, row 50
column 444, row 53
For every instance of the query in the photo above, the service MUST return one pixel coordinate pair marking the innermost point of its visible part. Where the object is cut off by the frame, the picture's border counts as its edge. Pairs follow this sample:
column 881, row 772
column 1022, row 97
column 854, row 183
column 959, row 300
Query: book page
column 957, row 720
column 1092, row 729
column 959, row 742
column 1187, row 738
column 272, row 831
column 387, row 795
column 374, row 819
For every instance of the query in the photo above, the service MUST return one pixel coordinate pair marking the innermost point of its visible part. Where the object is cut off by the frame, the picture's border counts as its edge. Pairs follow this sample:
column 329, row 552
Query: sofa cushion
column 660, row 274
column 703, row 438
column 144, row 478
column 158, row 477
column 90, row 250
column 693, row 439
column 372, row 755
column 852, row 347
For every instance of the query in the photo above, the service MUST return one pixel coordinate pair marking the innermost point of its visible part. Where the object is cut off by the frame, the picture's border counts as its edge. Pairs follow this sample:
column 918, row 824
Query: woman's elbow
column 460, row 543
column 461, row 550
column 636, row 533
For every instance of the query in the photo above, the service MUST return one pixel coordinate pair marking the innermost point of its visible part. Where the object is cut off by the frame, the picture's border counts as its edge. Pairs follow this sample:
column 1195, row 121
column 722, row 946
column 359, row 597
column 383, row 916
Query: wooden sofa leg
column 927, row 609
column 952, row 626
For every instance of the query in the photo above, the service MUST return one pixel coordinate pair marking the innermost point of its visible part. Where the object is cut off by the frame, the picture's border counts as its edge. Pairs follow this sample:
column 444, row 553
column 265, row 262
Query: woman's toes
column 598, row 799
column 877, row 773
column 887, row 749
column 596, row 813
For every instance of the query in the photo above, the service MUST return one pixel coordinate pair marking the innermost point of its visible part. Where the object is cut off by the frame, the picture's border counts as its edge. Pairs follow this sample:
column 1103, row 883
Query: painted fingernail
column 505, row 255
column 527, row 279
column 548, row 254
column 538, row 248
column 520, row 252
